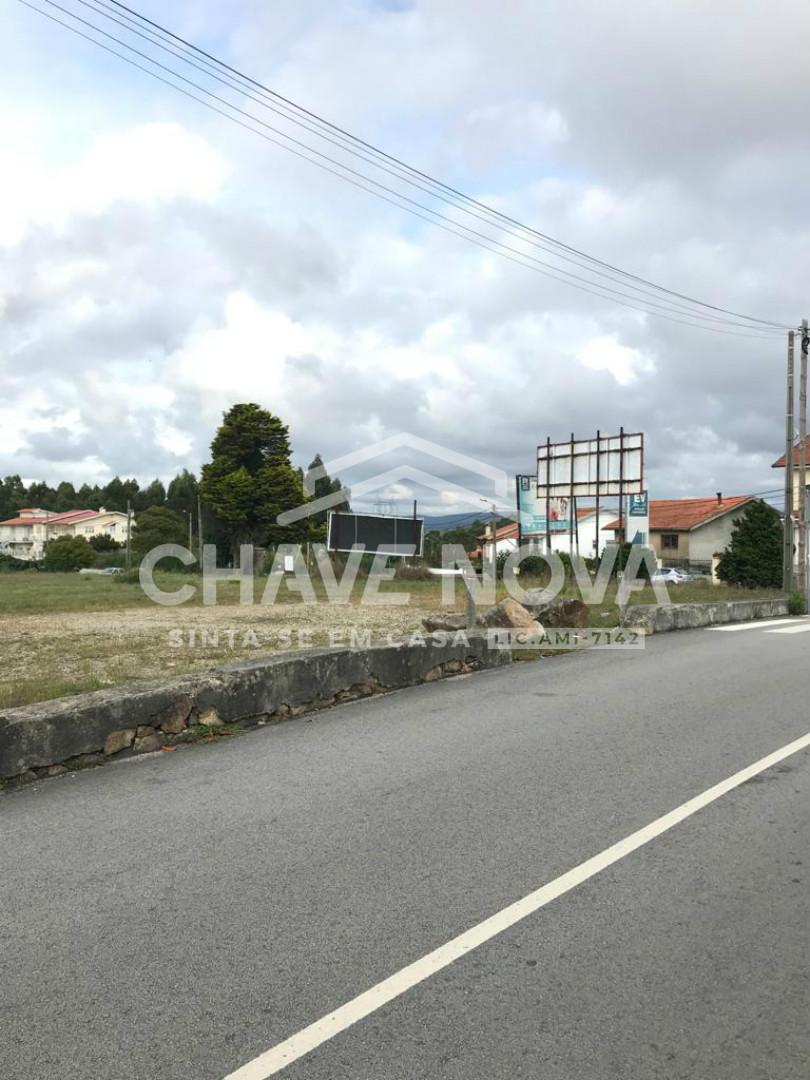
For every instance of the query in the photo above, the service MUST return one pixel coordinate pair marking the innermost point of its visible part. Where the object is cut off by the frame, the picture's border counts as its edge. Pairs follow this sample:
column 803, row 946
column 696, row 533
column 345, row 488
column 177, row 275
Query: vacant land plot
column 65, row 633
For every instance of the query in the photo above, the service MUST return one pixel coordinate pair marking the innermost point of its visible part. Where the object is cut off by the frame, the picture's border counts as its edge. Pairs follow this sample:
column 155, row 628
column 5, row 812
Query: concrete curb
column 52, row 737
column 660, row 618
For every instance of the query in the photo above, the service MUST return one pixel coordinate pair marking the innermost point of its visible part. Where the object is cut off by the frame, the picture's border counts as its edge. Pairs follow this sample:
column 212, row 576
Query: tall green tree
column 89, row 498
column 182, row 493
column 153, row 494
column 12, row 497
column 41, row 495
column 324, row 485
column 250, row 480
column 753, row 557
column 158, row 525
column 66, row 497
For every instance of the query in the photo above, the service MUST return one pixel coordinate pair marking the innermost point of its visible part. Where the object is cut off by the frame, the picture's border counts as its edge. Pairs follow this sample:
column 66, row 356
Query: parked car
column 670, row 576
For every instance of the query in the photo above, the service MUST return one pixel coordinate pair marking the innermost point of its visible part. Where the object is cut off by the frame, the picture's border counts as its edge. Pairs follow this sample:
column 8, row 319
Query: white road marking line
column 285, row 1053
column 802, row 628
column 756, row 625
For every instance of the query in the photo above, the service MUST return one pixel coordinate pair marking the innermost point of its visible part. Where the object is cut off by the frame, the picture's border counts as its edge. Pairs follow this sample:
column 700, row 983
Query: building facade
column 24, row 537
column 583, row 540
column 688, row 533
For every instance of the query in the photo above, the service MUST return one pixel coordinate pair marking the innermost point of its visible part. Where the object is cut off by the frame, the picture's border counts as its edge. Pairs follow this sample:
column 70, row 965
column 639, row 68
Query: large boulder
column 509, row 613
column 562, row 611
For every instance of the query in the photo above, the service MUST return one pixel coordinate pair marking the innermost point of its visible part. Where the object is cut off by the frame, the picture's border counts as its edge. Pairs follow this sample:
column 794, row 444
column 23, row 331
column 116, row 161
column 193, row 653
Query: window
column 669, row 541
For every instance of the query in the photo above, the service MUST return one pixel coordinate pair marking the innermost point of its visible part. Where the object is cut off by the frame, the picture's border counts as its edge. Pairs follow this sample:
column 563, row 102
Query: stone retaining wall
column 658, row 618
column 51, row 737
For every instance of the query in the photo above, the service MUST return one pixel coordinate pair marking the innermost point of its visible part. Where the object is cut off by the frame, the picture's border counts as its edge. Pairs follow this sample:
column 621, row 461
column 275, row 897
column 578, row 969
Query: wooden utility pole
column 803, row 462
column 787, row 553
column 199, row 531
column 129, row 530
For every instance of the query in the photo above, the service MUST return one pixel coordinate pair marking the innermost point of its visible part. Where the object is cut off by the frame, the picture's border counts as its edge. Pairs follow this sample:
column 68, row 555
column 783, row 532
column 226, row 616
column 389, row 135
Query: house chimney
column 719, row 498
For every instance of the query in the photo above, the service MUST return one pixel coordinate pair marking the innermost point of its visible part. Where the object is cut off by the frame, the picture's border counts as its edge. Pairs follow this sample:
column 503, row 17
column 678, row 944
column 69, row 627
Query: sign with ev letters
column 637, row 526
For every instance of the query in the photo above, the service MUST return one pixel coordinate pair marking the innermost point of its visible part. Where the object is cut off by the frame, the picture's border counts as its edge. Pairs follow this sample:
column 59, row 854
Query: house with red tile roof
column 582, row 539
column 780, row 464
column 24, row 536
column 689, row 532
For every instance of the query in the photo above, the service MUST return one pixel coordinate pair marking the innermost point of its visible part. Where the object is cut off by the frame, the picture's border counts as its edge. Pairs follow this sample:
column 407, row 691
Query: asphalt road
column 177, row 915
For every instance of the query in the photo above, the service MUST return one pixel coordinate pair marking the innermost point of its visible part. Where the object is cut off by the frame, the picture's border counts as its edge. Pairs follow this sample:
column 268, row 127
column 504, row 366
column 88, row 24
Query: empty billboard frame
column 609, row 465
column 378, row 534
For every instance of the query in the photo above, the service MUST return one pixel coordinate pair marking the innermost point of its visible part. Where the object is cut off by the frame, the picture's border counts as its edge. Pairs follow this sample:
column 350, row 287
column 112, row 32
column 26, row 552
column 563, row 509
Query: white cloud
column 158, row 263
column 625, row 364
column 148, row 164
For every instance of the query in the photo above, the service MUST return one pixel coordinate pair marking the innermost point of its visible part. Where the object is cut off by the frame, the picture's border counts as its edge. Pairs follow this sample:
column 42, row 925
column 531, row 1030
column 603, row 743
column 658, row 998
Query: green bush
column 8, row 562
column 753, row 557
column 796, row 603
column 104, row 542
column 155, row 526
column 68, row 553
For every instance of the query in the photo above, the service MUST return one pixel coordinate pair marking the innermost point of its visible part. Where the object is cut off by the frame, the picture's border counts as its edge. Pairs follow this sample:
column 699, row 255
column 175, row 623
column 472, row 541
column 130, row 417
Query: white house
column 583, row 540
column 25, row 536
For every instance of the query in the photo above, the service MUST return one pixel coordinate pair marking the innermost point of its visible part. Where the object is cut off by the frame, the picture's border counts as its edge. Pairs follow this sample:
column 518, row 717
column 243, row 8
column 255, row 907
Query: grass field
column 65, row 633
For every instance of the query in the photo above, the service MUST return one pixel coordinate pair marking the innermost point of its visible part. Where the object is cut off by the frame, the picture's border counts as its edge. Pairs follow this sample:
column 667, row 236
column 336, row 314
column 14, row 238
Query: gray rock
column 148, row 743
column 119, row 740
column 562, row 612
column 174, row 718
column 509, row 613
column 210, row 718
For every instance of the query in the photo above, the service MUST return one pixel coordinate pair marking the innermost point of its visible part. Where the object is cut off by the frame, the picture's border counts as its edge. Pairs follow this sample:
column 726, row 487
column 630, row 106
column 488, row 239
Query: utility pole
column 190, row 531
column 129, row 529
column 787, row 552
column 803, row 582
column 494, row 529
column 199, row 531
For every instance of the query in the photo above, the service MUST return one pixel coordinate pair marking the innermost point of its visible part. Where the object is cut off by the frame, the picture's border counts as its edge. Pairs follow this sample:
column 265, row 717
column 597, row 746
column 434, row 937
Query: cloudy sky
column 158, row 262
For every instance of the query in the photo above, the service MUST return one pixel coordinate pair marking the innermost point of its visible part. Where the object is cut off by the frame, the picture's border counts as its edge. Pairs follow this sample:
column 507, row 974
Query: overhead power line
column 635, row 292
column 327, row 131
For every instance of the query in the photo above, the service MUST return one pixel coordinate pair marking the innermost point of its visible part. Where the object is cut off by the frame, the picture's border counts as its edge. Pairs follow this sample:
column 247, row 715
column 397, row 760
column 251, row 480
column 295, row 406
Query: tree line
column 248, row 482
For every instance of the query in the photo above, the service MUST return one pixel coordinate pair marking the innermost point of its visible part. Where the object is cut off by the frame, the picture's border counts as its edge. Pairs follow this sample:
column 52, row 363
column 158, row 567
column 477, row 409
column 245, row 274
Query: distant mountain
column 442, row 522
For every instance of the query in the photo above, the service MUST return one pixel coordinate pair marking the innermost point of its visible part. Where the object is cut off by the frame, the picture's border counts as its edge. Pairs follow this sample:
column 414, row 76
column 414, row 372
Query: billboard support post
column 596, row 553
column 519, row 515
column 548, row 499
column 414, row 525
column 609, row 465
column 621, row 495
column 572, row 517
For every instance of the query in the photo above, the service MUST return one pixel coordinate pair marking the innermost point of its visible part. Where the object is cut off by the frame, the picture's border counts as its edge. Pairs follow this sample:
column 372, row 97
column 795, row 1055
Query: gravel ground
column 44, row 656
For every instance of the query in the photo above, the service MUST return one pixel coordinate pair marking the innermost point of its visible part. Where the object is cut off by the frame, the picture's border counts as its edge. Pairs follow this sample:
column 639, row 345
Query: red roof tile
column 680, row 515
column 69, row 516
column 780, row 462
column 504, row 532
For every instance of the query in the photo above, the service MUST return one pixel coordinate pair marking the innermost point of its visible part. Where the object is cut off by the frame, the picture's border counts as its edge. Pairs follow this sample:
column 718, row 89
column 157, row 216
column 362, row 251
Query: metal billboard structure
column 377, row 534
column 607, row 466
column 604, row 466
column 535, row 518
